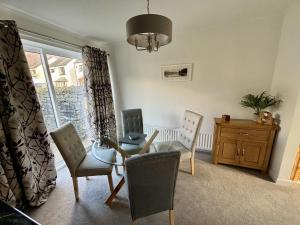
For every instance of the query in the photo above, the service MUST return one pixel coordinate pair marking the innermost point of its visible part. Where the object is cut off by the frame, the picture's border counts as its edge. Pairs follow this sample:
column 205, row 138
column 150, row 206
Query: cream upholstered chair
column 79, row 163
column 186, row 140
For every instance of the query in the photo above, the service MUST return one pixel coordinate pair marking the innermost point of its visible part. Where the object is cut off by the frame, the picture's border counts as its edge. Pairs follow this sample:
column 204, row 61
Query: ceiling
column 105, row 19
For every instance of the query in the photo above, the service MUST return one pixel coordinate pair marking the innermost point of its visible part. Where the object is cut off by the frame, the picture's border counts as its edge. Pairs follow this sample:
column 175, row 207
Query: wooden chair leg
column 171, row 217
column 75, row 185
column 192, row 161
column 110, row 182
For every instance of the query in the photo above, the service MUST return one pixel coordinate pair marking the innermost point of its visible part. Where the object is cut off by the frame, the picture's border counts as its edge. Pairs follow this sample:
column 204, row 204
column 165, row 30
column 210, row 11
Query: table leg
column 115, row 192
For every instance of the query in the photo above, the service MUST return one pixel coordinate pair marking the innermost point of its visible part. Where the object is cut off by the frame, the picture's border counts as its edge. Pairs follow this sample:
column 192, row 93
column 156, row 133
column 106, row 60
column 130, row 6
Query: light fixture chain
column 148, row 10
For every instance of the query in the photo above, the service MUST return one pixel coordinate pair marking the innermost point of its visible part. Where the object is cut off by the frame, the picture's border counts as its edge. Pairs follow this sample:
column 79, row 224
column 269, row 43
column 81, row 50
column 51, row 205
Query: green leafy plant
column 259, row 102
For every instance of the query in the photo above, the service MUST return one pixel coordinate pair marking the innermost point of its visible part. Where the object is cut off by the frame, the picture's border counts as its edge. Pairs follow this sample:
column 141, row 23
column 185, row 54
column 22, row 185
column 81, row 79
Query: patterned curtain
column 99, row 93
column 27, row 171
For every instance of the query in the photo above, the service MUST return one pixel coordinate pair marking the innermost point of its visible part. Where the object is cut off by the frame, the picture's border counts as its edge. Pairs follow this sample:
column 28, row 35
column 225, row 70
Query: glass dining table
column 105, row 155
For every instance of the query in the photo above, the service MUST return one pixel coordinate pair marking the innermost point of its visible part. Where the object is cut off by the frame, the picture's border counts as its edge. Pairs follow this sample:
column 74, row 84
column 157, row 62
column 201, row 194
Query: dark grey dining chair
column 132, row 122
column 151, row 180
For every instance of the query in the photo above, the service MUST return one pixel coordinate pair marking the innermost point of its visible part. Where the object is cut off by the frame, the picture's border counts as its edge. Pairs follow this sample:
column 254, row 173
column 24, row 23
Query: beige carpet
column 217, row 194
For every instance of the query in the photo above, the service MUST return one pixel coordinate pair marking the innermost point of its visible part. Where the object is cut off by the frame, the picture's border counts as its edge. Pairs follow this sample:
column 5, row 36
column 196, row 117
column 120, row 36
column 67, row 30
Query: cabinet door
column 228, row 151
column 253, row 154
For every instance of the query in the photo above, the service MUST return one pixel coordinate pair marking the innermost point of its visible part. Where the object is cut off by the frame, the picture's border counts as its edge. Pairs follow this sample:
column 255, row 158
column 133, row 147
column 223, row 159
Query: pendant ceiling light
column 149, row 31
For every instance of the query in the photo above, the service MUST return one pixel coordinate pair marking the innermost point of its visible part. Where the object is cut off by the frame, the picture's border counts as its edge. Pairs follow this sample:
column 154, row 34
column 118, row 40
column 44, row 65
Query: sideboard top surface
column 238, row 123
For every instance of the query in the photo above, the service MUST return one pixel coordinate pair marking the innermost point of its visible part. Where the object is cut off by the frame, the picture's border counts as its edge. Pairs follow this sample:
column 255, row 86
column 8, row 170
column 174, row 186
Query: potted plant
column 259, row 102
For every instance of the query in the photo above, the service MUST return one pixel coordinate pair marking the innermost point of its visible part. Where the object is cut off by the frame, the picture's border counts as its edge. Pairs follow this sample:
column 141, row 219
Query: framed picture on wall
column 178, row 72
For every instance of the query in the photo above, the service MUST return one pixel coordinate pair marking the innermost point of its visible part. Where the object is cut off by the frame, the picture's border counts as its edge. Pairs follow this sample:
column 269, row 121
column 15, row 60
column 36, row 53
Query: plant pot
column 254, row 117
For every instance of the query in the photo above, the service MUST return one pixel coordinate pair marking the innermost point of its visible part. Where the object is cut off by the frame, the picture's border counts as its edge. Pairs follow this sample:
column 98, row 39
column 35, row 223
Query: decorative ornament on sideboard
column 225, row 118
column 149, row 31
column 265, row 117
column 260, row 102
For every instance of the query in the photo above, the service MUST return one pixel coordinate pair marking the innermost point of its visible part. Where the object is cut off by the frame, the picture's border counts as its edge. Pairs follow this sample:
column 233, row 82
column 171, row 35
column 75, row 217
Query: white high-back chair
column 186, row 140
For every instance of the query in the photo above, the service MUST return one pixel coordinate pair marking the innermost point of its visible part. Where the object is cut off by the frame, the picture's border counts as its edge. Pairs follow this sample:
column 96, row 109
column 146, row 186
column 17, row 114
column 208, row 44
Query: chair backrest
column 69, row 145
column 151, row 180
column 189, row 129
column 132, row 121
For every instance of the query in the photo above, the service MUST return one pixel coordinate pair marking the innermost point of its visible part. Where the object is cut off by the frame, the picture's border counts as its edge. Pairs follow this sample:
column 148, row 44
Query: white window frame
column 45, row 50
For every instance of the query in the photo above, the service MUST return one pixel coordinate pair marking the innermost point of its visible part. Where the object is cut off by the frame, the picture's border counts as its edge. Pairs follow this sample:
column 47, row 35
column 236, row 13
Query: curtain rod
column 49, row 37
column 52, row 38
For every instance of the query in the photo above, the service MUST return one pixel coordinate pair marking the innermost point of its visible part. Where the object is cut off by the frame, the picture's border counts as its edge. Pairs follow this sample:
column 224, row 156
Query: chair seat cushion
column 173, row 146
column 90, row 166
column 132, row 149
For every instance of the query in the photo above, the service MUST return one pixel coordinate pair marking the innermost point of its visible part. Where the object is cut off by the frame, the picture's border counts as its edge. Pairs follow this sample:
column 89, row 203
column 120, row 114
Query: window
column 60, row 92
column 61, row 71
column 40, row 83
column 70, row 95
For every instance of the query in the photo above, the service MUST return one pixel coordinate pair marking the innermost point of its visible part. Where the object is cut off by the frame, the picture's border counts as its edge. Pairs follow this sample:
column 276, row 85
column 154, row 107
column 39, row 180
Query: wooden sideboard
column 243, row 143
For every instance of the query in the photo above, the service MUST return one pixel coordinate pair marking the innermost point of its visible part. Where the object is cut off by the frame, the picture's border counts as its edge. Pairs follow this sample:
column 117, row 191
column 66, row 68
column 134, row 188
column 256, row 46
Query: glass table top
column 107, row 155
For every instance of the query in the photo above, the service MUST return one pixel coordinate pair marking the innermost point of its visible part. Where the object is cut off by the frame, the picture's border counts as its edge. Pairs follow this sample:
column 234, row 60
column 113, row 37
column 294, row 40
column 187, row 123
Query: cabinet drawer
column 230, row 133
column 257, row 135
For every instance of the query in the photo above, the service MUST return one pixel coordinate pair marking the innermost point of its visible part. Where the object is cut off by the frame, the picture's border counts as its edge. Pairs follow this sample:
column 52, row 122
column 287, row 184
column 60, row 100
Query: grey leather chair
column 186, row 140
column 151, row 180
column 132, row 122
column 79, row 163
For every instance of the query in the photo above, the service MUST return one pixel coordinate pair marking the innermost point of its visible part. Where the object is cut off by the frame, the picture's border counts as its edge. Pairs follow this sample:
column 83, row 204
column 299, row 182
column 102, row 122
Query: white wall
column 229, row 62
column 286, row 83
column 40, row 26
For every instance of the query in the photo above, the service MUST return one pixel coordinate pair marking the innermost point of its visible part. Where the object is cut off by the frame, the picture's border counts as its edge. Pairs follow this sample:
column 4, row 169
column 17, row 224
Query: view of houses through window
column 60, row 92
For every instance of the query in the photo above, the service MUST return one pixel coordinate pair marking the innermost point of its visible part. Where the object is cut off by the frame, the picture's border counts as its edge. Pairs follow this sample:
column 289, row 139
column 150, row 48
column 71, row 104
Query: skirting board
column 281, row 181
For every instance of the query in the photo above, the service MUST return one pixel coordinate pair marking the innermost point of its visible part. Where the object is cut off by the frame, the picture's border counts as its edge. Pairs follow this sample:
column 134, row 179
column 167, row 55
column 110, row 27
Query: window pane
column 39, row 80
column 68, row 81
column 40, row 83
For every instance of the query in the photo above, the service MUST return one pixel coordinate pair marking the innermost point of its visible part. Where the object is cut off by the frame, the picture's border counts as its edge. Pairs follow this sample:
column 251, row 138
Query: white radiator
column 204, row 142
